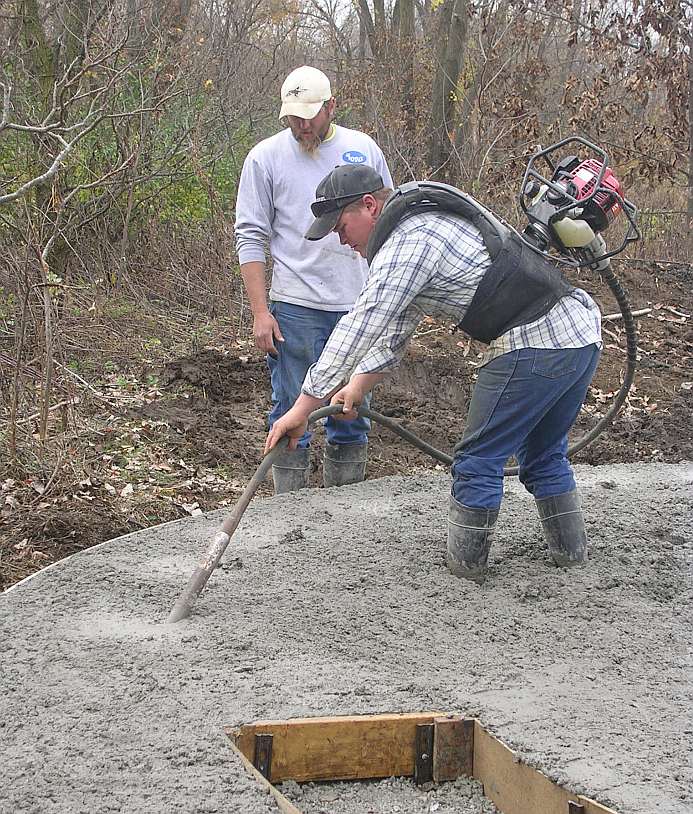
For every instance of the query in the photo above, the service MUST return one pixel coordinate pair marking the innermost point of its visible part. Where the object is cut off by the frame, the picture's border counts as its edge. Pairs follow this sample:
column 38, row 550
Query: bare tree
column 67, row 90
column 452, row 39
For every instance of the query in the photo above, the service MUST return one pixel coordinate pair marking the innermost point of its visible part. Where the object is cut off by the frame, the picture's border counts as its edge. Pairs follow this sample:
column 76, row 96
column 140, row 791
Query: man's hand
column 266, row 330
column 294, row 423
column 351, row 396
column 265, row 327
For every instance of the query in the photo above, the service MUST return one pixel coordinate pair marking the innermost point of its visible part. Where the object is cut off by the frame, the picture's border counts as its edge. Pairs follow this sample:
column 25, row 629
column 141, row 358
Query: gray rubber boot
column 564, row 528
column 344, row 463
column 470, row 532
column 290, row 470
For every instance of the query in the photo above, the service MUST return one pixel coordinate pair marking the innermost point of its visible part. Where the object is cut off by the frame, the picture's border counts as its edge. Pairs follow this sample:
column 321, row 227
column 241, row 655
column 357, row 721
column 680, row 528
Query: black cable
column 393, row 426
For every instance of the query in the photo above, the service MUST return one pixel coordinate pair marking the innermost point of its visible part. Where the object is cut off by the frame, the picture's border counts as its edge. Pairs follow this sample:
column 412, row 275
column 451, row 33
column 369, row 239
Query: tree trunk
column 367, row 24
column 405, row 40
column 465, row 142
column 40, row 68
column 451, row 54
column 690, row 151
column 552, row 112
column 380, row 20
column 71, row 41
column 362, row 39
column 38, row 57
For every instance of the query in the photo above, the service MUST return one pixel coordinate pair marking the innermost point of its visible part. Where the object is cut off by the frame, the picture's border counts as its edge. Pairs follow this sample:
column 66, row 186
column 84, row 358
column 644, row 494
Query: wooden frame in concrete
column 360, row 747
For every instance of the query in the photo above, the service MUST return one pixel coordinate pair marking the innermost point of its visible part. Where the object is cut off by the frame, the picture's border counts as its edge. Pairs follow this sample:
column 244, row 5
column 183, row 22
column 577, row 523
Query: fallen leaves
column 633, row 404
column 679, row 317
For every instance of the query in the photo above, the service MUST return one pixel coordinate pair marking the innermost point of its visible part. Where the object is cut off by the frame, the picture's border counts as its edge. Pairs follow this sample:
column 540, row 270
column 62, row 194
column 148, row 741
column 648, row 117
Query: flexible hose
column 393, row 426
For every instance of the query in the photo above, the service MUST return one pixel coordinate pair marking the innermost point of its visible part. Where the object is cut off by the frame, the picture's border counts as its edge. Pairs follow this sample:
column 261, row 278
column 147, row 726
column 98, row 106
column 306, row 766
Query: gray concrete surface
column 339, row 602
column 393, row 795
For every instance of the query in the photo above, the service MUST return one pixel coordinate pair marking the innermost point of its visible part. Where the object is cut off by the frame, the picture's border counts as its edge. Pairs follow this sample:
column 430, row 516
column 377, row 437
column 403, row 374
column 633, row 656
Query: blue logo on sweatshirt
column 354, row 157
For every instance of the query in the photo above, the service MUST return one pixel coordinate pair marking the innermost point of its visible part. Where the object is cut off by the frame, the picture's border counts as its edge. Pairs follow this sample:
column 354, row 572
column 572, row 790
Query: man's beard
column 310, row 146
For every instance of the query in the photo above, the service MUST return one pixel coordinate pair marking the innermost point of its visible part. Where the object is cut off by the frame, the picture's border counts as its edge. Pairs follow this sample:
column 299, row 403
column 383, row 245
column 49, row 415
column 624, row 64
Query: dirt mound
column 219, row 404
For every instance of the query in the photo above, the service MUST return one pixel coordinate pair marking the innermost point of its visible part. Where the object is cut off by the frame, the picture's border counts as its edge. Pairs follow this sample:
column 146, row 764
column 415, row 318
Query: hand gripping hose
column 213, row 555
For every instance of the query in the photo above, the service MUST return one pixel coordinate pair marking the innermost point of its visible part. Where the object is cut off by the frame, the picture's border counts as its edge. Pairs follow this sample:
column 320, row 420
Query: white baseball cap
column 303, row 93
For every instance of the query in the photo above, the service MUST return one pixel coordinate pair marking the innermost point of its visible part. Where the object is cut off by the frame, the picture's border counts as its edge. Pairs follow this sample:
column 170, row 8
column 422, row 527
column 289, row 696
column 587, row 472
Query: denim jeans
column 524, row 403
column 305, row 332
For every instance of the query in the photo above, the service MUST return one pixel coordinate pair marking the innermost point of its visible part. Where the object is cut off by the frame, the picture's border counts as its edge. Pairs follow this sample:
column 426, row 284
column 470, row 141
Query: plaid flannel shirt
column 431, row 265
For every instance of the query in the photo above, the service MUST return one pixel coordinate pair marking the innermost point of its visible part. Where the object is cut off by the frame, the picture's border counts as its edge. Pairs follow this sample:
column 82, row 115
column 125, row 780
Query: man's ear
column 371, row 204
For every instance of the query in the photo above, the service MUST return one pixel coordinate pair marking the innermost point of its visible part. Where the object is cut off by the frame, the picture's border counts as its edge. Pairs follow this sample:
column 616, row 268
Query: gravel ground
column 394, row 795
column 339, row 602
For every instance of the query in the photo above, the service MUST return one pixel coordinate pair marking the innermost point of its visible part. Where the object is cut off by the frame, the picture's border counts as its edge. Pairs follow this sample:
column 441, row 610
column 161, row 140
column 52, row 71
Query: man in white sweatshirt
column 313, row 284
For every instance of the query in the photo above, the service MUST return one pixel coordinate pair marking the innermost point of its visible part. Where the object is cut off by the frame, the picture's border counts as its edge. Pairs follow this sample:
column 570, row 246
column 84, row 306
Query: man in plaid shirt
column 530, row 387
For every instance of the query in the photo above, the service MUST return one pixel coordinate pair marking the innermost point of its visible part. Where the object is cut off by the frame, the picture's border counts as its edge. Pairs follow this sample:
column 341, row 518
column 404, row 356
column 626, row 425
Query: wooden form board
column 516, row 788
column 369, row 746
column 349, row 747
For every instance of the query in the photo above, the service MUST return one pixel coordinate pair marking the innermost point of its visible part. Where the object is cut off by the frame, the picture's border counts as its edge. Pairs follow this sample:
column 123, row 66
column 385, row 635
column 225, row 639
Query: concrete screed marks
column 336, row 602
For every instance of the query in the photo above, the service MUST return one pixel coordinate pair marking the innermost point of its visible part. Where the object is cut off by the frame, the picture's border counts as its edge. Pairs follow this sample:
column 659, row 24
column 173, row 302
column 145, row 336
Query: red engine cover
column 584, row 178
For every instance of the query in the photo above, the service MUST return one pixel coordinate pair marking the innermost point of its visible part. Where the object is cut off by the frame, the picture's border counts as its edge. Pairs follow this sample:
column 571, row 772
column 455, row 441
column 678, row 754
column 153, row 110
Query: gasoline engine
column 568, row 211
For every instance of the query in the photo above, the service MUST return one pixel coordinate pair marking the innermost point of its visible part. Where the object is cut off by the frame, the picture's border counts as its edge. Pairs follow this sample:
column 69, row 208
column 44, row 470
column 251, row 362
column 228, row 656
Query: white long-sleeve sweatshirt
column 276, row 189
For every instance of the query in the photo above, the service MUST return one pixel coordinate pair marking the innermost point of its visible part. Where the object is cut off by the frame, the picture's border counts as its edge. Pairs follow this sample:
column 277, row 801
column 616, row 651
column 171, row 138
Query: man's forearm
column 307, row 403
column 253, row 274
column 367, row 381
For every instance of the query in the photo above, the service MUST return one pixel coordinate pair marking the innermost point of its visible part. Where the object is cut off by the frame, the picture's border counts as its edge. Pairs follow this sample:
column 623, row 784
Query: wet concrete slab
column 339, row 602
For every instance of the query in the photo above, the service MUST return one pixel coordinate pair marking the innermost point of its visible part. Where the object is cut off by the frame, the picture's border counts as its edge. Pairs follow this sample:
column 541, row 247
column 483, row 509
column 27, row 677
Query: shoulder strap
column 430, row 196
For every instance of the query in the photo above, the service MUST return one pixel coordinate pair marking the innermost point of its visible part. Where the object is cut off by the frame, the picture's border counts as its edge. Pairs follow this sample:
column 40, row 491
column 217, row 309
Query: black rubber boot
column 564, row 528
column 290, row 470
column 344, row 463
column 469, row 540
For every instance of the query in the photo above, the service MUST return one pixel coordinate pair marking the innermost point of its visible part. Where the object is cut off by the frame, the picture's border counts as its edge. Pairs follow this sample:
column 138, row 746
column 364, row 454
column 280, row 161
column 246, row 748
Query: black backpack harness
column 519, row 286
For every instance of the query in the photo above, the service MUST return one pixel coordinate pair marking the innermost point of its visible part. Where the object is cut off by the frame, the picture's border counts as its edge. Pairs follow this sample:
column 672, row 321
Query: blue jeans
column 305, row 332
column 524, row 403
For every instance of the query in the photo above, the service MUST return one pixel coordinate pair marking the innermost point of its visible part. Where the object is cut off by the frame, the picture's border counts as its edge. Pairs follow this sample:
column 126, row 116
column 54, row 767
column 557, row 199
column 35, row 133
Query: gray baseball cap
column 344, row 185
